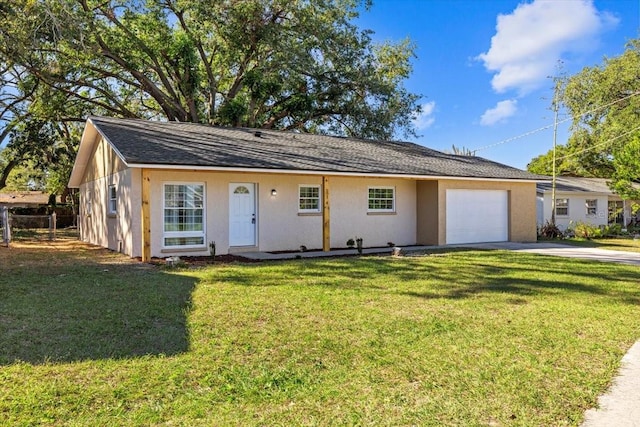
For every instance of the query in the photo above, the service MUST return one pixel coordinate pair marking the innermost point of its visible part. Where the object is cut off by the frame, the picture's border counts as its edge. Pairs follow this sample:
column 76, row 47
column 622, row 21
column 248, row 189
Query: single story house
column 159, row 189
column 587, row 200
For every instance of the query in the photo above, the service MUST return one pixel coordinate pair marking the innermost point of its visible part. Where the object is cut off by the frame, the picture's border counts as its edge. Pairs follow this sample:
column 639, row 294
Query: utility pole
column 553, row 167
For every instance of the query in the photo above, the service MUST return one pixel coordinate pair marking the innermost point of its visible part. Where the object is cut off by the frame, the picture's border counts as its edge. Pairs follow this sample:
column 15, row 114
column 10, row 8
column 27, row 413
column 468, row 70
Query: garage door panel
column 475, row 216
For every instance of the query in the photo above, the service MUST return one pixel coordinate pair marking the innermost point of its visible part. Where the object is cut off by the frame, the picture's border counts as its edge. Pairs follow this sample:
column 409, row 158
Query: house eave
column 88, row 142
column 319, row 173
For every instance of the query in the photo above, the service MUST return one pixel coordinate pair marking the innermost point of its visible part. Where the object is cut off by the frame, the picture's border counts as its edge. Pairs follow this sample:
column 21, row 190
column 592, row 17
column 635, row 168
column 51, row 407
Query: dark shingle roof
column 189, row 144
column 576, row 184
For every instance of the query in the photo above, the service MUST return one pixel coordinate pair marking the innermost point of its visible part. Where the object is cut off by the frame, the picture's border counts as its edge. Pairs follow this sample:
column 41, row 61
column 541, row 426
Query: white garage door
column 475, row 216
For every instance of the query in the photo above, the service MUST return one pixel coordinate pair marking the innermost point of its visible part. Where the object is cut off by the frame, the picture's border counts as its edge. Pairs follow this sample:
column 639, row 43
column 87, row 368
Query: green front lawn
column 628, row 244
column 467, row 338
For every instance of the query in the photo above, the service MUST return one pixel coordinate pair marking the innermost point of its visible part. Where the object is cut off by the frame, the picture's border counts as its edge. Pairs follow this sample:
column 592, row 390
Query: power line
column 551, row 125
column 598, row 145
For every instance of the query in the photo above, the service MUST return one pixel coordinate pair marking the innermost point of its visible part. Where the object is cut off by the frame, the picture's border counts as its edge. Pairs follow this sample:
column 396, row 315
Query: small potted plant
column 351, row 243
column 359, row 245
column 212, row 249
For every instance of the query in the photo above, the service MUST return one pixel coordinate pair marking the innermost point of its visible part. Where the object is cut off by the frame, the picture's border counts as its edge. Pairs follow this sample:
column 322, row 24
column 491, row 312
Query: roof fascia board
column 318, row 173
column 113, row 147
column 577, row 192
column 88, row 143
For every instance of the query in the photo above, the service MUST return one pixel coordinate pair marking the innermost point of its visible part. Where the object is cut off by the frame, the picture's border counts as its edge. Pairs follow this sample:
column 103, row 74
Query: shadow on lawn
column 456, row 275
column 528, row 275
column 82, row 309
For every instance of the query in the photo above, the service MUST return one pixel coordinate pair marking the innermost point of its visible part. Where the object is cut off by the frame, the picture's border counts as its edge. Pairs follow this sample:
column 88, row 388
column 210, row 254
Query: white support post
column 52, row 226
column 6, row 230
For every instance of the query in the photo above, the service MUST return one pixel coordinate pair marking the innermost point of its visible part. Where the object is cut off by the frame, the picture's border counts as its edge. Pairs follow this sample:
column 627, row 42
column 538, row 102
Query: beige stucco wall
column 97, row 226
column 427, row 212
column 349, row 216
column 522, row 206
column 279, row 225
column 104, row 162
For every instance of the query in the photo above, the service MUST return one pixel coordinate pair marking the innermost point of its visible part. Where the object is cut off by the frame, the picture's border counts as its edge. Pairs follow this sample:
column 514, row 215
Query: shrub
column 549, row 231
column 586, row 230
column 612, row 230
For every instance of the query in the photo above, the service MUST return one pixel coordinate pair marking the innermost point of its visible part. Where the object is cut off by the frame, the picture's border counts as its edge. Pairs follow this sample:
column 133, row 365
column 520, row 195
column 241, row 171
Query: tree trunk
column 6, row 171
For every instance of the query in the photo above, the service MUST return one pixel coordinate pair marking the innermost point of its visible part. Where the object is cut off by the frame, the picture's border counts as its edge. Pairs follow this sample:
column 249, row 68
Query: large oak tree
column 284, row 64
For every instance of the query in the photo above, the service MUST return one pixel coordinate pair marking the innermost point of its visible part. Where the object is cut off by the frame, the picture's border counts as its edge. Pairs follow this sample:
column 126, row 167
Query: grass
column 628, row 244
column 471, row 338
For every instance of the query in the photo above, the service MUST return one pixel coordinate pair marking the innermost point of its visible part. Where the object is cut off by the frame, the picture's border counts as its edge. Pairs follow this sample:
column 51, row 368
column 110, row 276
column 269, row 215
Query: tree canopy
column 283, row 64
column 604, row 102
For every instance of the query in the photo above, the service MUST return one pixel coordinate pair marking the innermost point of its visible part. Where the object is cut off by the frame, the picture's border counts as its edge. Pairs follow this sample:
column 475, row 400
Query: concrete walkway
column 543, row 248
column 268, row 256
column 556, row 249
column 620, row 406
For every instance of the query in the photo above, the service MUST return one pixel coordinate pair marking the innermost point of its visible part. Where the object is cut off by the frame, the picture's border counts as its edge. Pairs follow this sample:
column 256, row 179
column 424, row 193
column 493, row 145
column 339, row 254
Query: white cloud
column 425, row 119
column 529, row 42
column 502, row 111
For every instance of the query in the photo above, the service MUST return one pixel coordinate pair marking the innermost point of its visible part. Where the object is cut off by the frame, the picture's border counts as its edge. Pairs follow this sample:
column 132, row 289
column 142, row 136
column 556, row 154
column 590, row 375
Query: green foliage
column 585, row 230
column 612, row 230
column 549, row 231
column 39, row 156
column 23, row 177
column 565, row 163
column 264, row 63
column 626, row 176
column 604, row 102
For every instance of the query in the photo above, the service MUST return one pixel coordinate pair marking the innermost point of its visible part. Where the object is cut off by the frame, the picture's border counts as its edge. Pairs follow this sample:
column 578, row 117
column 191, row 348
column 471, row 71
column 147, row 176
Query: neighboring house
column 587, row 200
column 157, row 189
column 24, row 199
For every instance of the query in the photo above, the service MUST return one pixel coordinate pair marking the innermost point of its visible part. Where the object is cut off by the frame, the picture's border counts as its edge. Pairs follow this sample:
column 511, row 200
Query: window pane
column 183, row 241
column 381, row 199
column 309, row 198
column 184, row 213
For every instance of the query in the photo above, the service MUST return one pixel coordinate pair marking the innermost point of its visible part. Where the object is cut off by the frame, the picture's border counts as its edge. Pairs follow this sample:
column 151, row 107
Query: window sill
column 309, row 213
column 112, row 215
column 381, row 213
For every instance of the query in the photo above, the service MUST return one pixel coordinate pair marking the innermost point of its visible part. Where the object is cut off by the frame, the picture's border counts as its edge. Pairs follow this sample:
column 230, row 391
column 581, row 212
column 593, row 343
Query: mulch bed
column 206, row 260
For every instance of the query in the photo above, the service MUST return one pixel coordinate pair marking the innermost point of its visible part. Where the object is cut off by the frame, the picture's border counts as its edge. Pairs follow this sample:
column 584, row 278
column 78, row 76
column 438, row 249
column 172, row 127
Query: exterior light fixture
column 274, row 192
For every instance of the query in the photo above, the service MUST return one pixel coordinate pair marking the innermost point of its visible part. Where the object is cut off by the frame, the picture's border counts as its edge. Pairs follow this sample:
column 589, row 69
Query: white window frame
column 591, row 208
column 300, row 198
column 383, row 210
column 173, row 234
column 565, row 205
column 112, row 199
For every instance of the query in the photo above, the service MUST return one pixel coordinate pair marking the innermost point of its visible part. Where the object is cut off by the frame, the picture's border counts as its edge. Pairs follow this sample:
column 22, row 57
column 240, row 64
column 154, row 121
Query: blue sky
column 484, row 67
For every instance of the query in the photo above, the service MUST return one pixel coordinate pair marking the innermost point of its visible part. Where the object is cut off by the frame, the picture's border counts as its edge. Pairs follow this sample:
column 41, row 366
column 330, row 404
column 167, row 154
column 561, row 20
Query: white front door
column 242, row 214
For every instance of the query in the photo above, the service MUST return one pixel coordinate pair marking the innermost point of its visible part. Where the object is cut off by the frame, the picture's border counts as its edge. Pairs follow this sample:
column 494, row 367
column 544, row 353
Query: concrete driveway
column 556, row 249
